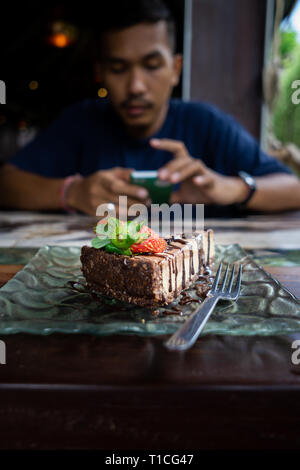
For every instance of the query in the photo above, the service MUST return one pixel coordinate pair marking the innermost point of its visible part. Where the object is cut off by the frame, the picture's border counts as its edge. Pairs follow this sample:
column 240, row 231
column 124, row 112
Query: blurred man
column 86, row 156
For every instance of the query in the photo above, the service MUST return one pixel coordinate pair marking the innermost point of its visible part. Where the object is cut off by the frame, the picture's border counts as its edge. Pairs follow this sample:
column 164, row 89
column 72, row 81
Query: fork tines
column 222, row 288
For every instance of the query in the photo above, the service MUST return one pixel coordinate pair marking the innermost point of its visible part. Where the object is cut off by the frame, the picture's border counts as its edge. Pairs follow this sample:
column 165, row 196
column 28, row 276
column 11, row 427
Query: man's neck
column 145, row 132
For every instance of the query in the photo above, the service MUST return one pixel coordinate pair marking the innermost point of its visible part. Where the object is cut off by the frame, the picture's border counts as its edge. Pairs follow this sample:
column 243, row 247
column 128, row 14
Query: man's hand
column 104, row 187
column 199, row 184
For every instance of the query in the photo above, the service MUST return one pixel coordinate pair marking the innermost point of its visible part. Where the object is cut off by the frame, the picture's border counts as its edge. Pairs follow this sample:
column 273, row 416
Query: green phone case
column 159, row 191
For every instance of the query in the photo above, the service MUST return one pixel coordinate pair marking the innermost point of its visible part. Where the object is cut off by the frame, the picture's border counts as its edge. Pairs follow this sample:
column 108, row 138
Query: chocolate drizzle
column 183, row 271
column 173, row 262
column 187, row 257
column 170, row 258
column 181, row 240
column 173, row 268
column 199, row 255
column 170, row 276
column 208, row 248
column 187, row 299
column 176, row 310
column 176, row 275
column 192, row 271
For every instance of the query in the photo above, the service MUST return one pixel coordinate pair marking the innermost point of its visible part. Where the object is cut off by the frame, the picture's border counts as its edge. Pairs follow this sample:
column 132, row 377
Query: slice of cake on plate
column 135, row 265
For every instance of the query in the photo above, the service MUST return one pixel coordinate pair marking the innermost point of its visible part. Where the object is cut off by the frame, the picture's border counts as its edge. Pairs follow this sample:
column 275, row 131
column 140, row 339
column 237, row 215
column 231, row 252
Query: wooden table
column 129, row 392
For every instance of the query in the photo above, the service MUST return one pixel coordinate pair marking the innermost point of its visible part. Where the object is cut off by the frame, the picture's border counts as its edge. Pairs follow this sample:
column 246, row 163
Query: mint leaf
column 101, row 229
column 116, row 236
column 100, row 242
column 113, row 249
column 113, row 227
column 134, row 228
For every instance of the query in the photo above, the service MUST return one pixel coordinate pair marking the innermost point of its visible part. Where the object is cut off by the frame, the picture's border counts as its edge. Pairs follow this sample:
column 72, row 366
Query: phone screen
column 159, row 191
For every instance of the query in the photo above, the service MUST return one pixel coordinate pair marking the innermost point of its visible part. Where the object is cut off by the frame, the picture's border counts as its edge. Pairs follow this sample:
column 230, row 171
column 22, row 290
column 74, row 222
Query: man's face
column 139, row 71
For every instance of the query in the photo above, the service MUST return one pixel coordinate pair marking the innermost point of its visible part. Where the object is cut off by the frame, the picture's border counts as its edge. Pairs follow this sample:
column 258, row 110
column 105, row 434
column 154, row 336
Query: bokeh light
column 102, row 92
column 59, row 40
column 33, row 85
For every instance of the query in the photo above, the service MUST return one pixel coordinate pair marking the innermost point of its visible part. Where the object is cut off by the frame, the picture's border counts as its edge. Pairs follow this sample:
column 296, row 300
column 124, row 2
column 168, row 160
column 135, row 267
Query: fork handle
column 188, row 333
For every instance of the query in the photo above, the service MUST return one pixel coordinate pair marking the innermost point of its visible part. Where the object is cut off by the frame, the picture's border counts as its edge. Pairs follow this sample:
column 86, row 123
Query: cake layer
column 149, row 279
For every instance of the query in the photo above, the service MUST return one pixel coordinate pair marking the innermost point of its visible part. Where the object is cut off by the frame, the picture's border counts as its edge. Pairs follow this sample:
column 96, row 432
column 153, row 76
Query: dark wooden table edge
column 151, row 387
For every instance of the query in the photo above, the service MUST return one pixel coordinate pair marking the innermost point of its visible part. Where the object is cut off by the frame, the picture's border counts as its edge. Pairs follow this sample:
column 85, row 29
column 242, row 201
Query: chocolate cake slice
column 149, row 279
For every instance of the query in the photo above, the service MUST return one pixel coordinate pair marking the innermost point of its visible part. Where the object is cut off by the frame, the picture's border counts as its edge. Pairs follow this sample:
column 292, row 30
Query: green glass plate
column 276, row 257
column 16, row 255
column 49, row 296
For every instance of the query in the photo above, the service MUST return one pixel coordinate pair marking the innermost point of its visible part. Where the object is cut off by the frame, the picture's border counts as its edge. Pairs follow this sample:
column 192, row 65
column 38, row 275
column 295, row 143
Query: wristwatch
column 250, row 182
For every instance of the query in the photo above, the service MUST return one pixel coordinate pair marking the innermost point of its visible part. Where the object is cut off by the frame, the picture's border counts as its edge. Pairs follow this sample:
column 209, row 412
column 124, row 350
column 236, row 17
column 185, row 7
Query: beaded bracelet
column 64, row 190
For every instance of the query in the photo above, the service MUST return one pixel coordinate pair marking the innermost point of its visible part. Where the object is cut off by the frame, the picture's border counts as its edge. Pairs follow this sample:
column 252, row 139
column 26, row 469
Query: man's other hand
column 105, row 186
column 199, row 184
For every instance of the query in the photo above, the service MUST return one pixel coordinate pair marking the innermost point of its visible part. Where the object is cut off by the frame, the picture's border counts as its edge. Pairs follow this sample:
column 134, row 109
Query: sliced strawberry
column 149, row 231
column 102, row 221
column 150, row 245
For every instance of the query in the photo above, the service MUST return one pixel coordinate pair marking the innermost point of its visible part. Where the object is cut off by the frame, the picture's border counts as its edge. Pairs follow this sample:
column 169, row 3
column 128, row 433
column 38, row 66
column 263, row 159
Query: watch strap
column 250, row 182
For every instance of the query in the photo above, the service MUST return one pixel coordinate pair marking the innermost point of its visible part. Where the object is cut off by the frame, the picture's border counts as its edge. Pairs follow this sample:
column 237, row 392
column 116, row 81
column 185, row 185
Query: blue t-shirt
column 88, row 136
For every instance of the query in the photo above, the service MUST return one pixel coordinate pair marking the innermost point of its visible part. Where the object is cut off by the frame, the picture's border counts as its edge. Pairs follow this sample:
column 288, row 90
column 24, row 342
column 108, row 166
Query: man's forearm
column 23, row 190
column 276, row 192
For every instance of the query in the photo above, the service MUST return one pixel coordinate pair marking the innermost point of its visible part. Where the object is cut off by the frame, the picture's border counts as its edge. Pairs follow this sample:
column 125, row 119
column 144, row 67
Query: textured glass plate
column 48, row 296
column 16, row 255
column 276, row 257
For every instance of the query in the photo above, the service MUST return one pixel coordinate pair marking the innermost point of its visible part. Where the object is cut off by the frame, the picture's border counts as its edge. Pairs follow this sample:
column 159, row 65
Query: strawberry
column 149, row 232
column 153, row 244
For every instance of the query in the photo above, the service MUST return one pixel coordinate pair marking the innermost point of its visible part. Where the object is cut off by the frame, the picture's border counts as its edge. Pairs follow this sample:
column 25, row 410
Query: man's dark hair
column 123, row 14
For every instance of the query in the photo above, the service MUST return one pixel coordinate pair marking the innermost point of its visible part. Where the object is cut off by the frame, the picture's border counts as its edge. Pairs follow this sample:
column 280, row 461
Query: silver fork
column 188, row 333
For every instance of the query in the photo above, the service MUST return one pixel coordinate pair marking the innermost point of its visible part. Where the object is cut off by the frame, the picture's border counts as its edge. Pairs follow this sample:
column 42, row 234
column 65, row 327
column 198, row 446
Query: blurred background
column 241, row 55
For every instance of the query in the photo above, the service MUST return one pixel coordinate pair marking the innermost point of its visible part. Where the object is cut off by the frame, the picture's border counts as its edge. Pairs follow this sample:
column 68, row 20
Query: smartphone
column 159, row 191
